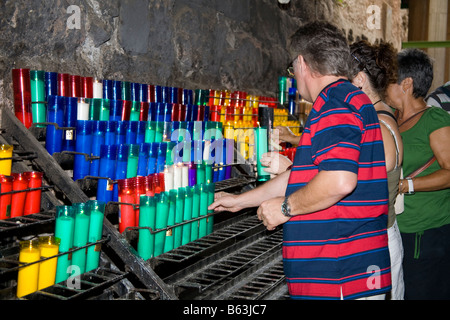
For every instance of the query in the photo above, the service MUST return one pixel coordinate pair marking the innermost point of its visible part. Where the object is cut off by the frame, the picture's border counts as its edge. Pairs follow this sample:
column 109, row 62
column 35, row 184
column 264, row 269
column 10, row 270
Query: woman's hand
column 282, row 133
column 275, row 163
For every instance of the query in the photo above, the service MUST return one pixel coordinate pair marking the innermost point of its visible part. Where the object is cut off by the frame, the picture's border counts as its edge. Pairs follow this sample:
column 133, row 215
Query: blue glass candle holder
column 144, row 153
column 55, row 114
column 108, row 157
column 152, row 158
column 115, row 110
column 51, row 84
column 70, row 121
column 98, row 139
column 110, row 132
column 107, row 89
column 140, row 132
column 131, row 132
column 121, row 132
column 83, row 145
column 121, row 167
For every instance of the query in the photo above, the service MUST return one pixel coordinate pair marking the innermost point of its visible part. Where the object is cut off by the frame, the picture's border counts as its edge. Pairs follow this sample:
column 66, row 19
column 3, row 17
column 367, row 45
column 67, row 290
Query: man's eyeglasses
column 290, row 69
column 290, row 72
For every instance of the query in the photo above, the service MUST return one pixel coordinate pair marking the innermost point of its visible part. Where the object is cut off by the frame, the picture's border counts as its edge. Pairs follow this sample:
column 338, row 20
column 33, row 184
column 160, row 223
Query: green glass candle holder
column 210, row 220
column 147, row 216
column 203, row 210
column 201, row 173
column 104, row 111
column 187, row 215
column 80, row 236
column 169, row 242
column 126, row 90
column 133, row 160
column 96, row 213
column 135, row 110
column 150, row 132
column 64, row 230
column 195, row 212
column 94, row 108
column 162, row 215
column 179, row 212
column 159, row 133
column 261, row 148
column 38, row 108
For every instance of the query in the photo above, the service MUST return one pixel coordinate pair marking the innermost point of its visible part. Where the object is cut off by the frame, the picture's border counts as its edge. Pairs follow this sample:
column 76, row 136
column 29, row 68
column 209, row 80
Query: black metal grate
column 89, row 285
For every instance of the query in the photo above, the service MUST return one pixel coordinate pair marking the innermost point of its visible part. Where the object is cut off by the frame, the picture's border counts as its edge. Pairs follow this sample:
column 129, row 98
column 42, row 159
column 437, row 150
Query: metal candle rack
column 239, row 254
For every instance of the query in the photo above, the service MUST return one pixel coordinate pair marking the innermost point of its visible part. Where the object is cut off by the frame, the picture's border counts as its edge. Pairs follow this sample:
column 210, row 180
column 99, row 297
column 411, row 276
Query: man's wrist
column 285, row 208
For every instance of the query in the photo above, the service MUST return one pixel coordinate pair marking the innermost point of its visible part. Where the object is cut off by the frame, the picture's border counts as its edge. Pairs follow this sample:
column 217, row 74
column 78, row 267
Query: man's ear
column 360, row 79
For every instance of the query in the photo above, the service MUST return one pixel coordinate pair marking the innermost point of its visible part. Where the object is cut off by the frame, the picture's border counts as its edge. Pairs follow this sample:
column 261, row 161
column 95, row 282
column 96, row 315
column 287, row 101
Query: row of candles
column 20, row 194
column 147, row 151
column 173, row 218
column 51, row 259
column 174, row 177
column 32, row 89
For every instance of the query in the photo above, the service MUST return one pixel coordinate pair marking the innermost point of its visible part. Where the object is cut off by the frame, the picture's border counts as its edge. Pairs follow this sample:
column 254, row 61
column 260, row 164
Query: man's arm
column 324, row 190
column 271, row 189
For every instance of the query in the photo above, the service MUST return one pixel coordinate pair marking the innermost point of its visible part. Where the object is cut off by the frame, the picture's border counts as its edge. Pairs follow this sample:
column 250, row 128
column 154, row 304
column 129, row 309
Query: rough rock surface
column 218, row 44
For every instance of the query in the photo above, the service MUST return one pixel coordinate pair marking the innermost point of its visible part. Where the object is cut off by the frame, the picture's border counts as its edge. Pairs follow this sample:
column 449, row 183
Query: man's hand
column 269, row 212
column 224, row 201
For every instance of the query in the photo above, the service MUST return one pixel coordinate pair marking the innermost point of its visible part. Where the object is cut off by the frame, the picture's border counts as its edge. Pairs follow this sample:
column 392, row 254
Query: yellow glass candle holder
column 48, row 246
column 5, row 165
column 27, row 279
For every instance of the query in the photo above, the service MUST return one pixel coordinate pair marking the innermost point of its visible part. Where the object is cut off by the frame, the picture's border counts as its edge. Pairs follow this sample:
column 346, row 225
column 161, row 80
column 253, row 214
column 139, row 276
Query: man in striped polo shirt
column 333, row 203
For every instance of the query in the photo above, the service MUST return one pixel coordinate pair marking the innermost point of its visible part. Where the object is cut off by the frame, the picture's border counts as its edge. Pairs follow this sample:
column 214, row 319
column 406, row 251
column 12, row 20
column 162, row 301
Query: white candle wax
column 82, row 110
column 168, row 178
column 97, row 89
column 184, row 176
column 177, row 176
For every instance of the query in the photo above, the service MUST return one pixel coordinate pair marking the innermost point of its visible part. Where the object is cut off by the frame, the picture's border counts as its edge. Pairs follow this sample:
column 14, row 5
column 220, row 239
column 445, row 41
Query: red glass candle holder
column 127, row 198
column 175, row 112
column 126, row 110
column 151, row 93
column 149, row 191
column 143, row 115
column 20, row 183
column 22, row 96
column 6, row 185
column 290, row 153
column 139, row 190
column 158, row 182
column 214, row 113
column 75, row 87
column 229, row 116
column 63, row 84
column 182, row 112
column 33, row 198
column 87, row 87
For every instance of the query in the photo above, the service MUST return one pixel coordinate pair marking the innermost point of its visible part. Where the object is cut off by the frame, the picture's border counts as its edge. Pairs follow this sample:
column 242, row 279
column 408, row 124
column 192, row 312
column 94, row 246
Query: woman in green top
column 425, row 222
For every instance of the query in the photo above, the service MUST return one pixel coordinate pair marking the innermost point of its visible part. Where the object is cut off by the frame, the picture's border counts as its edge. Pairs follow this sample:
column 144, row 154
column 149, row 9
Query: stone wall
column 218, row 44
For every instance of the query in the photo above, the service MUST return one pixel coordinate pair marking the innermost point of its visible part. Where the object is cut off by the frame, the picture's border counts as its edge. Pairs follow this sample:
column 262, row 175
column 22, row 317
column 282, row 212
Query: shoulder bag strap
column 422, row 168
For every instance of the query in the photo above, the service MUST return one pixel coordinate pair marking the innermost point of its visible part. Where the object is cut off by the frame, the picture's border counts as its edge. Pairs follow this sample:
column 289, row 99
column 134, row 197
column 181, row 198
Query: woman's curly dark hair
column 378, row 61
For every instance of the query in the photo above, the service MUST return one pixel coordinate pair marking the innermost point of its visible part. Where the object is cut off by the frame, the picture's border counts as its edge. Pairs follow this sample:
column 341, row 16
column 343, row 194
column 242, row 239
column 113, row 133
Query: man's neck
column 317, row 84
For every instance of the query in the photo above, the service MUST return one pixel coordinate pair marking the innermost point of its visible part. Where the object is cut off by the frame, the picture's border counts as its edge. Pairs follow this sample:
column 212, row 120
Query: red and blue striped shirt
column 341, row 251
